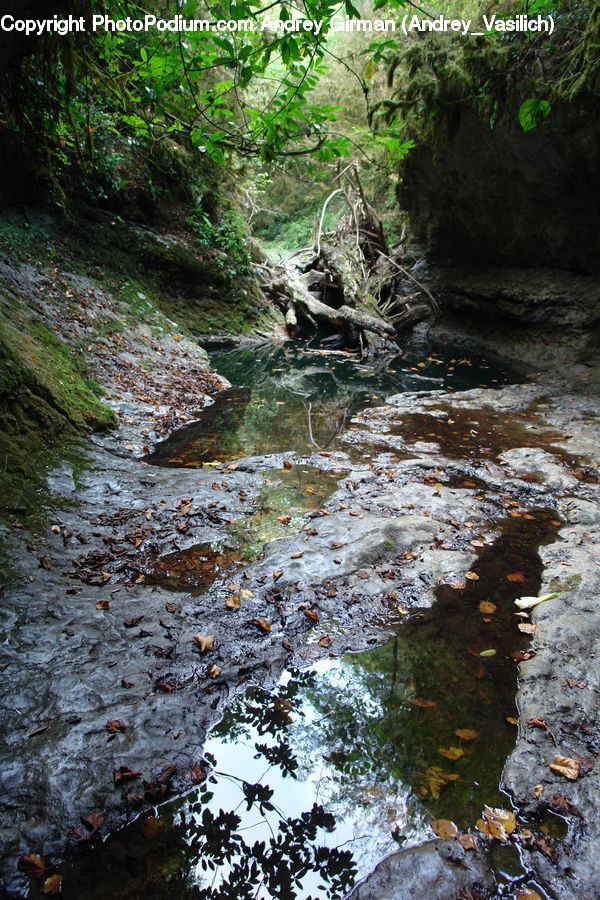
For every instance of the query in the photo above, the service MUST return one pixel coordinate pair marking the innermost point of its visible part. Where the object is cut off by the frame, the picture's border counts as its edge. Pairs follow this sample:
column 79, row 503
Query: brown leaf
column 277, row 575
column 124, row 773
column 325, row 641
column 287, row 464
column 516, row 577
column 260, row 623
column 95, row 820
column 205, row 642
column 33, row 865
column 522, row 655
column 52, row 886
column 103, row 604
column 131, row 623
column 44, row 562
column 335, row 545
column 467, row 841
column 536, row 722
column 167, row 686
column 561, row 804
column 466, row 734
column 285, row 520
column 424, row 704
column 113, row 726
column 576, row 684
column 171, row 607
column 233, row 602
column 311, row 614
column 444, row 828
column 565, row 766
column 472, row 576
column 527, row 627
column 297, row 555
column 214, row 671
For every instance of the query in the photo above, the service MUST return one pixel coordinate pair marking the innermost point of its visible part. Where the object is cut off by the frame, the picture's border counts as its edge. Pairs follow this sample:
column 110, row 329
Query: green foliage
column 229, row 238
column 533, row 113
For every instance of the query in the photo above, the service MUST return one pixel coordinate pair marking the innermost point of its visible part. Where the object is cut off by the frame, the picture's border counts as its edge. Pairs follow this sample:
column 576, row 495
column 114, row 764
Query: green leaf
column 530, row 602
column 369, row 69
column 533, row 113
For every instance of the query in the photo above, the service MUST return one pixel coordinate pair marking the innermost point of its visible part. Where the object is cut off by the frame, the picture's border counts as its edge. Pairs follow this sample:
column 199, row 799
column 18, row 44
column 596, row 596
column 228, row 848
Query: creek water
column 307, row 785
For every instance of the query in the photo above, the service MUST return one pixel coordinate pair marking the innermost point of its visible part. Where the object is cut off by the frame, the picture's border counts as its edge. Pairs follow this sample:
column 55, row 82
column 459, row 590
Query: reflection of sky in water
column 366, row 808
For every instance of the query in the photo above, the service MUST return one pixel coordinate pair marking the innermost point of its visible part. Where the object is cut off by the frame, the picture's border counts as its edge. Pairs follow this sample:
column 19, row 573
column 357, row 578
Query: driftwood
column 349, row 281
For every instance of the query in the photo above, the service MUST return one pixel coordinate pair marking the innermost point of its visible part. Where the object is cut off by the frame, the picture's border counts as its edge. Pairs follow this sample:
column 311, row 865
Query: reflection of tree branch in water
column 337, row 430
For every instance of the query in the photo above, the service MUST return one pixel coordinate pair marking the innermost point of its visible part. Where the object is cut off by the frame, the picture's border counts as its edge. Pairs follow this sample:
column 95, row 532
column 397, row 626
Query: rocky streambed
column 147, row 607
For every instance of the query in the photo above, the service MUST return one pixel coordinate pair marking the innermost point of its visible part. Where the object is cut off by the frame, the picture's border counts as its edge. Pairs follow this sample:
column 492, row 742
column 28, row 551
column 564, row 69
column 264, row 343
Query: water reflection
column 298, row 399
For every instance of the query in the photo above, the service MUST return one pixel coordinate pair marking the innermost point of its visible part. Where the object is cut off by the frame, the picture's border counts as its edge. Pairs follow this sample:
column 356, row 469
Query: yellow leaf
column 486, row 607
column 527, row 893
column 451, row 752
column 565, row 766
column 444, row 828
column 497, row 823
column 52, row 886
column 233, row 602
column 369, row 69
column 472, row 576
column 511, row 720
column 487, row 653
column 466, row 734
column 214, row 672
column 436, row 779
column 246, row 594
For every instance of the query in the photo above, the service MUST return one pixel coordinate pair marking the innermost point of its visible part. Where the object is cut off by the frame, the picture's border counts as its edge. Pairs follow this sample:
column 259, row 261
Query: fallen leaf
column 95, row 820
column 527, row 627
column 516, row 577
column 538, row 790
column 113, row 726
column 325, row 641
column 205, row 642
column 277, row 575
column 444, row 828
column 131, row 623
column 561, row 804
column 467, row 841
column 52, row 886
column 246, row 594
column 167, row 686
column 487, row 607
column 311, row 614
column 261, row 623
column 466, row 734
column 451, row 752
column 487, row 653
column 33, row 865
column 103, row 604
column 424, row 704
column 497, row 823
column 287, row 464
column 170, row 607
column 522, row 655
column 285, row 520
column 570, row 682
column 536, row 722
column 526, row 893
column 436, row 779
column 511, row 720
column 565, row 766
column 214, row 671
column 124, row 773
column 472, row 576
column 530, row 602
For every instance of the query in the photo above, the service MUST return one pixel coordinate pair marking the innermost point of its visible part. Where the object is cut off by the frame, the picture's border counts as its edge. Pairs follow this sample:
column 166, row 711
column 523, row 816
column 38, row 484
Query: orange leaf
column 516, row 577
column 466, row 734
column 424, row 704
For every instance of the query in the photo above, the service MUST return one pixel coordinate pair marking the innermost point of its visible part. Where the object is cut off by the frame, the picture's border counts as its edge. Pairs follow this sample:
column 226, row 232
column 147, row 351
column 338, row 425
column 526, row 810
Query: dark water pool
column 287, row 397
column 310, row 783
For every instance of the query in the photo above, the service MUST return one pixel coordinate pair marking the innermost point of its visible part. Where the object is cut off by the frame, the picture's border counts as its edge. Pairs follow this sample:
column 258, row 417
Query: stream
column 306, row 785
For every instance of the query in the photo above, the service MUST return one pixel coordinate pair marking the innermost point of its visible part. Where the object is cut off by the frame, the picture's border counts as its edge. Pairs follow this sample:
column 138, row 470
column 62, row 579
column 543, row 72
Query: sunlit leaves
column 497, row 823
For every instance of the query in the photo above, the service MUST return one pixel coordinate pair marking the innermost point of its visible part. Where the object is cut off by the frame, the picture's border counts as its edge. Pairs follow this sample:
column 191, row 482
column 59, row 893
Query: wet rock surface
column 89, row 643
